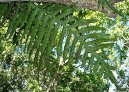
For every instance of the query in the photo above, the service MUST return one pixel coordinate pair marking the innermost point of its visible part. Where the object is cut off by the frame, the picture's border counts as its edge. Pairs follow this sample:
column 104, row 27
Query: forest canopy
column 64, row 45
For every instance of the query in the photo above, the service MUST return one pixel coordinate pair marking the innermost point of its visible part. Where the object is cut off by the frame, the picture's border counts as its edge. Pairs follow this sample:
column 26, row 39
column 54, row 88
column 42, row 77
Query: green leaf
column 66, row 47
column 30, row 21
column 70, row 60
column 24, row 17
column 45, row 40
column 77, row 55
column 34, row 32
column 60, row 42
column 41, row 32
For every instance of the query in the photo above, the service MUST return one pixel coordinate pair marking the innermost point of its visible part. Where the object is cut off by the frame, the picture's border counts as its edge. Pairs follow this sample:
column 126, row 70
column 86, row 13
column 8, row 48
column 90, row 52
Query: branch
column 89, row 4
column 56, row 76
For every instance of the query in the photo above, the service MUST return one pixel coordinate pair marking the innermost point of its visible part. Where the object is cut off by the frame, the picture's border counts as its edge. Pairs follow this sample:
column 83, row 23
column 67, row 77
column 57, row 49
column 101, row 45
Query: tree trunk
column 89, row 4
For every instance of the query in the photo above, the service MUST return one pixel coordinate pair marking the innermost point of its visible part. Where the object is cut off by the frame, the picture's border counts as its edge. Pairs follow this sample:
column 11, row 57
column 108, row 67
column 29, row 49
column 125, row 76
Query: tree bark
column 89, row 4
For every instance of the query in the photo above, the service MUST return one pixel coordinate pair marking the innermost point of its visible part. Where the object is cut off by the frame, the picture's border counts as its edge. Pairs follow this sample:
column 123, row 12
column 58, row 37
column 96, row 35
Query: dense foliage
column 52, row 47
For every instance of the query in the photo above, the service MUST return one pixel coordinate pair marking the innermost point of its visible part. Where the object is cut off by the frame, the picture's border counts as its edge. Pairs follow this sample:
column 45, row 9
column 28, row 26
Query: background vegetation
column 57, row 48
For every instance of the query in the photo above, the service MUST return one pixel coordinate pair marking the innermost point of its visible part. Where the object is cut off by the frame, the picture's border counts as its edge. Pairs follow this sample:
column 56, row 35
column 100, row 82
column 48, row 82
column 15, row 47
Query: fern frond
column 54, row 27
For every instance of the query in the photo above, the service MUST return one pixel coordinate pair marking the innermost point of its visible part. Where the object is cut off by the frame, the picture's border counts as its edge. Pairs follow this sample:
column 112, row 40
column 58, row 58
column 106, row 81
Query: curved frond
column 52, row 28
